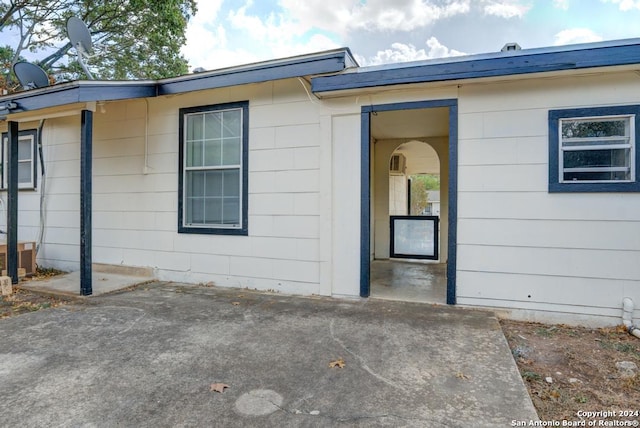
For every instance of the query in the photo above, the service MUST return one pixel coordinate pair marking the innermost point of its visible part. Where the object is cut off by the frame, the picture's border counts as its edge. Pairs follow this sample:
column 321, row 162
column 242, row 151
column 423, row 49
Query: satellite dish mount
column 81, row 40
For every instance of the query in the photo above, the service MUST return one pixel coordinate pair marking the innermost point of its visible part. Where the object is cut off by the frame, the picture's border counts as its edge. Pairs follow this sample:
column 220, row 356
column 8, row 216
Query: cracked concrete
column 147, row 357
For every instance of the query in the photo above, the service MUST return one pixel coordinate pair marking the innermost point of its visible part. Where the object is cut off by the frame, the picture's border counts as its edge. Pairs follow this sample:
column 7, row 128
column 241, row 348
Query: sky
column 232, row 32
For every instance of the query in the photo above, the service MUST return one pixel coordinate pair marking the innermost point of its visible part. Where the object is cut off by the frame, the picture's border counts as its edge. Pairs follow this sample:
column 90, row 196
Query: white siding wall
column 61, row 150
column 135, row 206
column 554, row 256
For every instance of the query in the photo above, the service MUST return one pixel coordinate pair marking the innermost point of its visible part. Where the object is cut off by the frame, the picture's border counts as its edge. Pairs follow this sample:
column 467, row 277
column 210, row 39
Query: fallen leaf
column 235, row 303
column 337, row 363
column 461, row 375
column 219, row 387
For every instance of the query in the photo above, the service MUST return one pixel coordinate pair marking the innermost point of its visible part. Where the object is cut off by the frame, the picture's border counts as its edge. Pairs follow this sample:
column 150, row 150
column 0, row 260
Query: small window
column 593, row 149
column 213, row 169
column 27, row 176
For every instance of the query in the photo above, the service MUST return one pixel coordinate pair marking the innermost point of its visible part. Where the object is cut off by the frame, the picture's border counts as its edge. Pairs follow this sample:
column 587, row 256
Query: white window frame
column 30, row 135
column 630, row 145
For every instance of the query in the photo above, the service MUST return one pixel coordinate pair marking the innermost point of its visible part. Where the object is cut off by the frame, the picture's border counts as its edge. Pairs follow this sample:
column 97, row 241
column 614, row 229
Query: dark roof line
column 525, row 61
column 333, row 61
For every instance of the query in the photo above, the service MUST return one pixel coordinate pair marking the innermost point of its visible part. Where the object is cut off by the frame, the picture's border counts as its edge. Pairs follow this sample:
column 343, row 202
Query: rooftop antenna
column 30, row 75
column 81, row 40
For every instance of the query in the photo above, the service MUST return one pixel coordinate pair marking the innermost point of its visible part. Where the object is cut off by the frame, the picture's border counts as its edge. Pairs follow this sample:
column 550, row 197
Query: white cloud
column 576, row 35
column 505, row 9
column 374, row 15
column 625, row 5
column 400, row 52
column 561, row 4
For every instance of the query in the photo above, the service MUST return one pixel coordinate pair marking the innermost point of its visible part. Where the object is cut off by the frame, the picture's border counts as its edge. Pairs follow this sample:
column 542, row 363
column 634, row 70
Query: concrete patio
column 148, row 357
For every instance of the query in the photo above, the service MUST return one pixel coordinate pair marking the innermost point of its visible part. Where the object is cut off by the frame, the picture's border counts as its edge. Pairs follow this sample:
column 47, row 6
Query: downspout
column 627, row 317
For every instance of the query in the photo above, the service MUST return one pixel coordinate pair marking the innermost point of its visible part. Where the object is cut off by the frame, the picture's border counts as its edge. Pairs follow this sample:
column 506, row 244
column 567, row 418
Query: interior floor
column 413, row 281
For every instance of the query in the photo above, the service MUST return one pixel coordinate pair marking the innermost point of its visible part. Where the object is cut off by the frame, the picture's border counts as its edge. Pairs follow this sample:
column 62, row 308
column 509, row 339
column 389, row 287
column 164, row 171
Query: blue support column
column 86, row 157
column 12, row 203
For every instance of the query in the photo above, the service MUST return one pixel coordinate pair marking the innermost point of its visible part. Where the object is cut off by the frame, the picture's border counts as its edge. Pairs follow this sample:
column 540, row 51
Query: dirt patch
column 572, row 370
column 22, row 301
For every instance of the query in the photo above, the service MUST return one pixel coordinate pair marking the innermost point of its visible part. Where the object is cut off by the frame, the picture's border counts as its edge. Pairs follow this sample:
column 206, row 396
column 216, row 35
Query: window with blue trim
column 594, row 149
column 27, row 172
column 213, row 169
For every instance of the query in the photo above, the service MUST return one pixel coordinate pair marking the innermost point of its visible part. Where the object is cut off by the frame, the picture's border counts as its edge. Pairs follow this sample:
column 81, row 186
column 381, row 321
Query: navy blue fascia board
column 330, row 63
column 501, row 64
column 78, row 93
column 555, row 186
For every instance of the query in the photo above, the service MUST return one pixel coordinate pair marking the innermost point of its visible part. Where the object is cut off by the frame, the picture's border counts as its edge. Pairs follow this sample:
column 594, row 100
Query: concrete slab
column 148, row 357
column 103, row 281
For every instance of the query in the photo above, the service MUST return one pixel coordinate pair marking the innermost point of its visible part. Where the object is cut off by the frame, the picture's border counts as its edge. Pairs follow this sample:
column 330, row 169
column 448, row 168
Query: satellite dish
column 80, row 39
column 30, row 75
column 79, row 34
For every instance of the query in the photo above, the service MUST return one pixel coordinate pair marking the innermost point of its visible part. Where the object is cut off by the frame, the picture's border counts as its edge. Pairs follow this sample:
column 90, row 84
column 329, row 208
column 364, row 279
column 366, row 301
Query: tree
column 132, row 39
column 420, row 184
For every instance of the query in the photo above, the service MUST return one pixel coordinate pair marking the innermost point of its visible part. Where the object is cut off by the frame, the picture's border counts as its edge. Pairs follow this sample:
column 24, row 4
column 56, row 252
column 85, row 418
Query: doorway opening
column 409, row 221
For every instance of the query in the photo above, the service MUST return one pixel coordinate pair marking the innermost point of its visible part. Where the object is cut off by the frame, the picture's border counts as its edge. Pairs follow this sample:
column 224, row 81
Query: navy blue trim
column 365, row 189
column 12, row 202
column 85, row 91
column 452, row 235
column 79, row 92
column 365, row 202
column 555, row 186
column 436, row 243
column 244, row 230
column 86, row 167
column 263, row 72
column 487, row 65
column 34, row 177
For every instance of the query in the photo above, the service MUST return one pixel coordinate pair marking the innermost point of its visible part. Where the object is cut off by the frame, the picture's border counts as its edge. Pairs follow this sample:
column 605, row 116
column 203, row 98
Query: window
column 594, row 149
column 213, row 169
column 27, row 143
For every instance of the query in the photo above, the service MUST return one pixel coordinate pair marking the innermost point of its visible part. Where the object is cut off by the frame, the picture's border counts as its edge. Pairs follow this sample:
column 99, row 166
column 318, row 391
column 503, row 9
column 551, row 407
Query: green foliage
column 132, row 39
column 420, row 184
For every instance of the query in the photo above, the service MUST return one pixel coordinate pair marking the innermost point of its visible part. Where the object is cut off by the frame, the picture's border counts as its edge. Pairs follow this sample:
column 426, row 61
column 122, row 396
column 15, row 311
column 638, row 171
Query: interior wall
column 383, row 149
column 398, row 195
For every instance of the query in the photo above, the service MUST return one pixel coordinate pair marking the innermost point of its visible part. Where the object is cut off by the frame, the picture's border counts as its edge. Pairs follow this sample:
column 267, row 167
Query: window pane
column 195, row 211
column 232, row 183
column 594, row 128
column 213, row 153
column 231, row 152
column 213, row 210
column 597, row 176
column 24, row 149
column 232, row 123
column 195, row 183
column 194, row 127
column 25, row 172
column 231, row 214
column 194, row 153
column 596, row 158
column 213, row 125
column 214, row 183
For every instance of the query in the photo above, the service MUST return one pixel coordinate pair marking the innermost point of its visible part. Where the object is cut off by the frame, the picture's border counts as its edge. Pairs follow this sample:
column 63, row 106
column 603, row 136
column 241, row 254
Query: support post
column 86, row 154
column 12, row 203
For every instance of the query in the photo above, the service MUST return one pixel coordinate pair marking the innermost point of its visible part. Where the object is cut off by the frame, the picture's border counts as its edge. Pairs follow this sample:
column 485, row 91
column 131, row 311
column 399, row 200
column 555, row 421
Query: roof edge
column 525, row 61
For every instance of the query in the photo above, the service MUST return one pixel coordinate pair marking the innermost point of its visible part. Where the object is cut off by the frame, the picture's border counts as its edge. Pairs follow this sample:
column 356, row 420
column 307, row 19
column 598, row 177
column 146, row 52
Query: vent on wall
column 397, row 164
column 26, row 256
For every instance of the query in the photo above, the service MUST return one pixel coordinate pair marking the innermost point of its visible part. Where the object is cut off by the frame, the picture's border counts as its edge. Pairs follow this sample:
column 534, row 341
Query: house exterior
column 272, row 175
